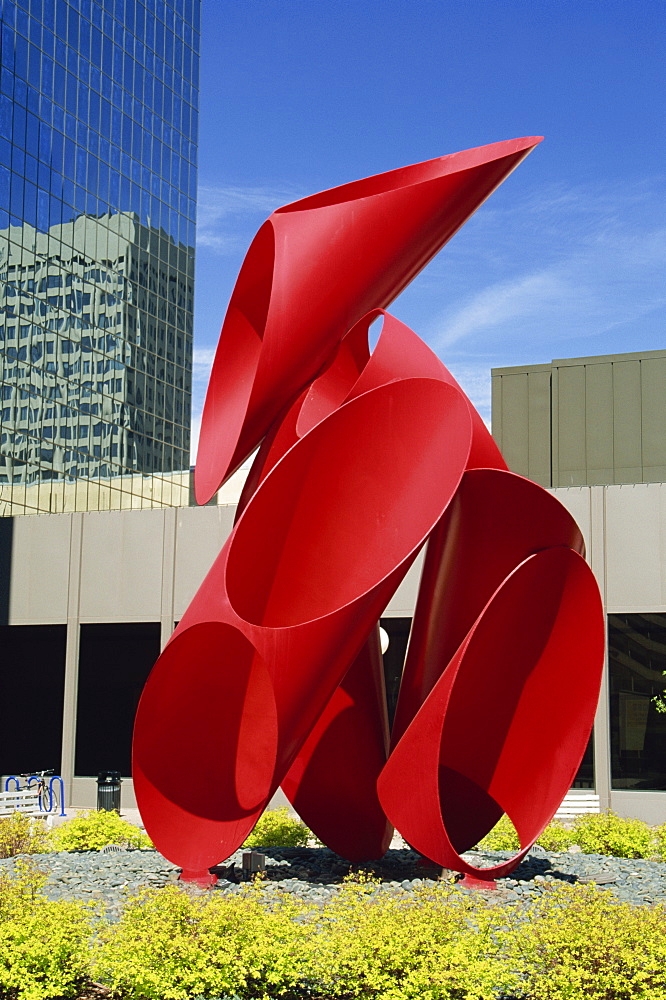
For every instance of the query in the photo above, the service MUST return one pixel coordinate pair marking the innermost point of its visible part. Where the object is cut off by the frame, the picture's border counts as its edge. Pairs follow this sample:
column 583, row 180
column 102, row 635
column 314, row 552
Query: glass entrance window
column 32, row 680
column 637, row 665
column 114, row 663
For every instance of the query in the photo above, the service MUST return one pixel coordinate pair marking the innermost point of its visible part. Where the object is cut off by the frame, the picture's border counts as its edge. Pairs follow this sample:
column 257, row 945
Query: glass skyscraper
column 98, row 131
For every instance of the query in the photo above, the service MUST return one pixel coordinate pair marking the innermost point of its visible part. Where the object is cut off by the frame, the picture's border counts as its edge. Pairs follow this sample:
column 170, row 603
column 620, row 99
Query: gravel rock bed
column 315, row 874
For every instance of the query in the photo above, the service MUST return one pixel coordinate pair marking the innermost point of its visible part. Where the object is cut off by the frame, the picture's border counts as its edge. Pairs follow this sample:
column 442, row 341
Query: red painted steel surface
column 313, row 270
column 274, row 675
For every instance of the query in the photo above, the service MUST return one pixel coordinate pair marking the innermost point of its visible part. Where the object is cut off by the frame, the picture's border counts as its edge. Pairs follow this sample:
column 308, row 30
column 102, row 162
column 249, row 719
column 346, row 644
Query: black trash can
column 108, row 790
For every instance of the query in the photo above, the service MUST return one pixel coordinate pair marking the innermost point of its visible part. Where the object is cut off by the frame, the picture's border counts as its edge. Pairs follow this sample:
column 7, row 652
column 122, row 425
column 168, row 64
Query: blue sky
column 566, row 259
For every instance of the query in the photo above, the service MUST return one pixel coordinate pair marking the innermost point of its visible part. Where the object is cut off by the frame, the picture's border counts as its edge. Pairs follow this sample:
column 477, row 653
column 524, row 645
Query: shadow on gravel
column 319, row 864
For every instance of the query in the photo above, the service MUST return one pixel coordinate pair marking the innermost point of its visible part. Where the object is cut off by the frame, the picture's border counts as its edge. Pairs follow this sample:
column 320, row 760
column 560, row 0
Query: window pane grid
column 96, row 248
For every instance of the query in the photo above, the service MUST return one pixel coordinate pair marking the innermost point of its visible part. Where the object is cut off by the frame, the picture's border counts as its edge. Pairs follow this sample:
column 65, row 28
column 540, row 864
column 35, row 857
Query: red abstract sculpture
column 363, row 459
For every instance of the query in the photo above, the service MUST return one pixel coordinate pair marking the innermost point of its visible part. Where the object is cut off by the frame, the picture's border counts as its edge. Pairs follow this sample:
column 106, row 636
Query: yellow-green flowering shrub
column 660, row 841
column 21, row 834
column 606, row 833
column 573, row 943
column 502, row 837
column 556, row 837
column 276, row 828
column 437, row 944
column 595, row 833
column 44, row 945
column 90, row 831
column 579, row 943
column 169, row 945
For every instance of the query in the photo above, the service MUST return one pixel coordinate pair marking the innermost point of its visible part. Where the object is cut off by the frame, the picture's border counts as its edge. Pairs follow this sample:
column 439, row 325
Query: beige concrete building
column 584, row 421
column 90, row 598
column 87, row 602
column 594, row 429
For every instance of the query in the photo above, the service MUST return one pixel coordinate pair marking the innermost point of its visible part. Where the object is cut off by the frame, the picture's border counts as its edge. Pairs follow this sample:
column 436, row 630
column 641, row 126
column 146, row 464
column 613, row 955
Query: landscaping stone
column 315, row 874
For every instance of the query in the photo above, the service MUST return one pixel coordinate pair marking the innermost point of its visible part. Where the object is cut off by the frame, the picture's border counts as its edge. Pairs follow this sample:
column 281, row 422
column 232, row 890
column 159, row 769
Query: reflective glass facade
column 637, row 672
column 98, row 129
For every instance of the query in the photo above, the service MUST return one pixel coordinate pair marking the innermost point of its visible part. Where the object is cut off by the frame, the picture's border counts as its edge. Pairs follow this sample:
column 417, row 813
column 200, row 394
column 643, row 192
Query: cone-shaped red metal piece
column 313, row 270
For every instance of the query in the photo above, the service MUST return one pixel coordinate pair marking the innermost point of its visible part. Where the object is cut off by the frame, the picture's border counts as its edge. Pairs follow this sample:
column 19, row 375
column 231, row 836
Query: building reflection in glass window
column 637, row 662
column 98, row 130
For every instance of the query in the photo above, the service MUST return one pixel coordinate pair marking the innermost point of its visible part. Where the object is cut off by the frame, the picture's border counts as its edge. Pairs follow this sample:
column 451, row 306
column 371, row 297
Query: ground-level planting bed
column 309, row 929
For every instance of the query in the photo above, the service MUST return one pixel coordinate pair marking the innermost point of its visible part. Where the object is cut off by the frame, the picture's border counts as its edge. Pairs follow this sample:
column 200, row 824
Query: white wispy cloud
column 227, row 216
column 195, row 430
column 474, row 379
column 602, row 266
column 202, row 362
column 505, row 301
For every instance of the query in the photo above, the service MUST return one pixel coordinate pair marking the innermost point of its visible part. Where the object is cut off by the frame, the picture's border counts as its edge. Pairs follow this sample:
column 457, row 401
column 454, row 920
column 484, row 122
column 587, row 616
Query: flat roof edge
column 597, row 359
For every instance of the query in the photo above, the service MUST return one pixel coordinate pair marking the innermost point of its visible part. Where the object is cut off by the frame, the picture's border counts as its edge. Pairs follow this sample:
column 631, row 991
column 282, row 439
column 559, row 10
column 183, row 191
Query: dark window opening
column 637, row 662
column 397, row 630
column 32, row 685
column 585, row 774
column 114, row 663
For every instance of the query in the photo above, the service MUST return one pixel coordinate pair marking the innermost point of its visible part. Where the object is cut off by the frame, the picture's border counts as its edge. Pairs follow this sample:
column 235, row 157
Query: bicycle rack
column 56, row 777
column 29, row 783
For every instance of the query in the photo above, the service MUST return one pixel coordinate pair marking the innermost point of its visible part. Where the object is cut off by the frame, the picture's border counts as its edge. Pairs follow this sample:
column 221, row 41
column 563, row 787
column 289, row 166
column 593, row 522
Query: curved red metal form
column 505, row 726
column 303, row 578
column 313, row 270
column 364, row 458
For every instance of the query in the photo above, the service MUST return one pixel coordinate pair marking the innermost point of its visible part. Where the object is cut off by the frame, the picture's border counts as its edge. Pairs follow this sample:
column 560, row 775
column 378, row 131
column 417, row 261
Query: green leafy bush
column 572, row 943
column 173, row 946
column 90, row 831
column 660, row 841
column 580, row 943
column 44, row 945
column 21, row 834
column 276, row 828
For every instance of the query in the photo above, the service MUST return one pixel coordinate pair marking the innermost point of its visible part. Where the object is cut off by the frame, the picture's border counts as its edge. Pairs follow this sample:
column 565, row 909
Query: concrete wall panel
column 403, row 602
column 648, row 806
column 511, row 433
column 522, row 422
column 627, row 421
column 569, row 459
column 121, row 566
column 653, row 418
column 636, row 547
column 599, row 423
column 608, row 416
column 577, row 502
column 201, row 532
column 39, row 572
column 539, row 428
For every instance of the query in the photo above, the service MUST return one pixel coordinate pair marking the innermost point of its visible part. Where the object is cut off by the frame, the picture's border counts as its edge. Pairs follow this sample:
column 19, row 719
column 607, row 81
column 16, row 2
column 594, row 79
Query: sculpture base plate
column 205, row 879
column 471, row 882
